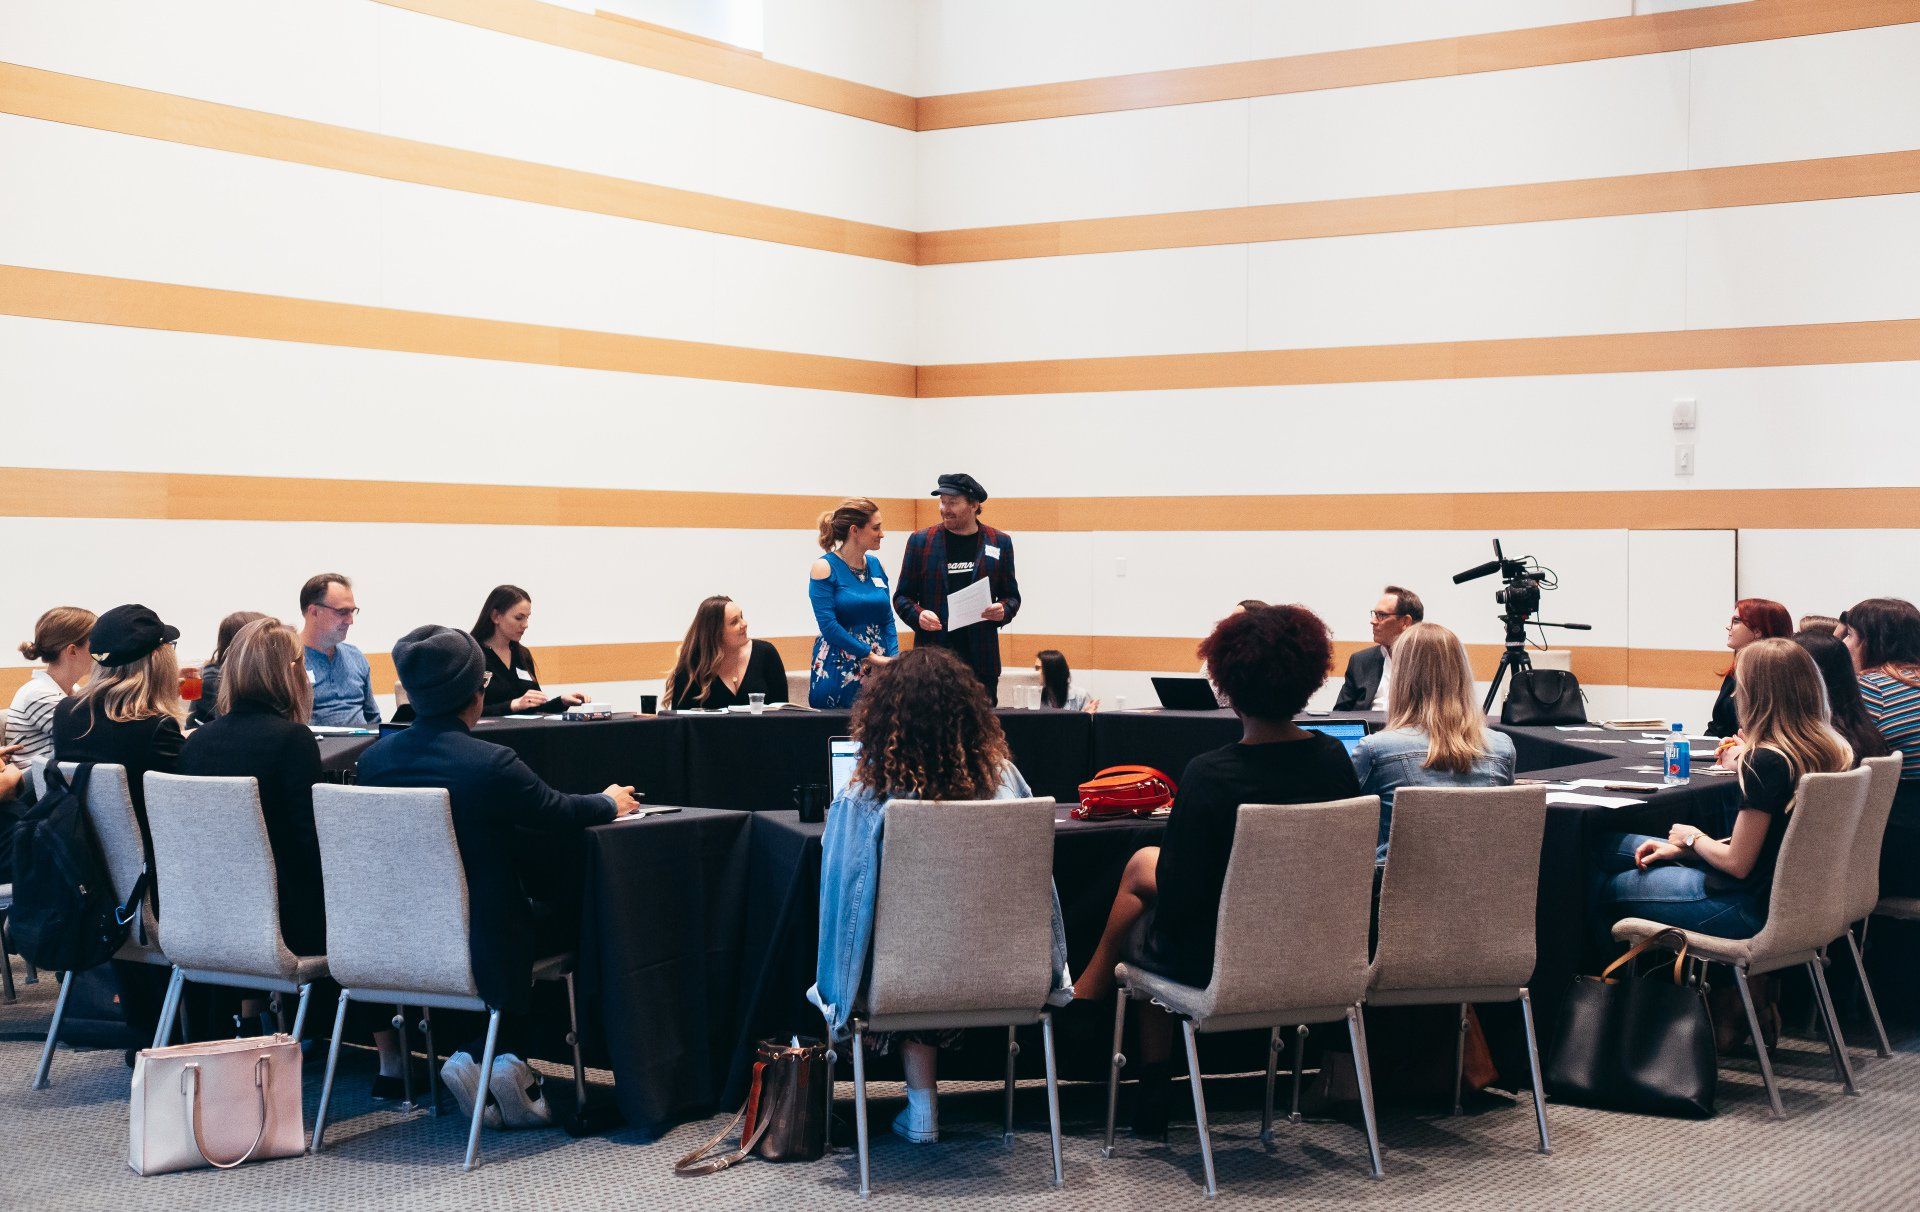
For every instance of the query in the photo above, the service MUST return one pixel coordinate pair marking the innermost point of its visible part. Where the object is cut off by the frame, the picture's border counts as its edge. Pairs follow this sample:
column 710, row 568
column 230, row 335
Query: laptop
column 1186, row 694
column 1347, row 732
column 843, row 752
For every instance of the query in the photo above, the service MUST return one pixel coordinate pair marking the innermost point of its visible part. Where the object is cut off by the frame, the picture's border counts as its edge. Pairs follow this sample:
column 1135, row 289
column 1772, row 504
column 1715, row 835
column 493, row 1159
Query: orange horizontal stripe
column 1606, row 353
column 604, row 15
column 671, row 52
column 87, row 298
column 77, row 101
column 1599, row 197
column 1507, row 50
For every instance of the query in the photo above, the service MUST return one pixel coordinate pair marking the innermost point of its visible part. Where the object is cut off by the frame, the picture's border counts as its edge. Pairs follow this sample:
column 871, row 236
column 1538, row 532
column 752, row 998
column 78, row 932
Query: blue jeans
column 1675, row 894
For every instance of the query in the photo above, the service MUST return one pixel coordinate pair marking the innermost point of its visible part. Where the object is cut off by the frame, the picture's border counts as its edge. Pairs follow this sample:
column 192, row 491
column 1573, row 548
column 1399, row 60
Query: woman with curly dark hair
column 926, row 732
column 1265, row 662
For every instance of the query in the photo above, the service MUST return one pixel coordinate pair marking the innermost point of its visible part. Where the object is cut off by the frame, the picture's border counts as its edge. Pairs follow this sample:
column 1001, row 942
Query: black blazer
column 81, row 735
column 494, row 796
column 766, row 674
column 1725, row 721
column 1363, row 679
column 505, row 685
column 254, row 740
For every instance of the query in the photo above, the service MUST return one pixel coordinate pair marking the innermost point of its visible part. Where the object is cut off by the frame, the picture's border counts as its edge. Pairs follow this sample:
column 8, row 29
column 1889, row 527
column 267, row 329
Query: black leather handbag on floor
column 1544, row 696
column 785, row 1115
column 1644, row 1044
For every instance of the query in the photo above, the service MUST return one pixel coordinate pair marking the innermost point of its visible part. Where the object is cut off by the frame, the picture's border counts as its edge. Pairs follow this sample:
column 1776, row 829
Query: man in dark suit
column 505, row 820
column 1370, row 670
column 944, row 559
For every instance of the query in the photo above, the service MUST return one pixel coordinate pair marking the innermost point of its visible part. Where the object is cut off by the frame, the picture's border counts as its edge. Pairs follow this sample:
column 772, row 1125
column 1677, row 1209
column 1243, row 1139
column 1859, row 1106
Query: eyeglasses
column 345, row 612
column 1381, row 616
column 1737, row 621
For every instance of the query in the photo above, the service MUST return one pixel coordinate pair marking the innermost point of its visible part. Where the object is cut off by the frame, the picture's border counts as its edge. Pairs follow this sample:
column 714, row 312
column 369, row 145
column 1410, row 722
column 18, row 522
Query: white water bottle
column 1679, row 757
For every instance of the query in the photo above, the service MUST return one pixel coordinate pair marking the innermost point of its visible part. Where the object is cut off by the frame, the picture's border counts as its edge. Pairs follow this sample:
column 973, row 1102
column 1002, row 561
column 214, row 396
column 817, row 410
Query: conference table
column 700, row 927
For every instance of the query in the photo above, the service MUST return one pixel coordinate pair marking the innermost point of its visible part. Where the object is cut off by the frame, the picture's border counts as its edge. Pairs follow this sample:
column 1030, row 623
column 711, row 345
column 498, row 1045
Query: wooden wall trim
column 1605, row 353
column 690, row 36
column 728, row 66
column 98, row 105
column 91, row 299
column 1593, row 198
column 1576, row 42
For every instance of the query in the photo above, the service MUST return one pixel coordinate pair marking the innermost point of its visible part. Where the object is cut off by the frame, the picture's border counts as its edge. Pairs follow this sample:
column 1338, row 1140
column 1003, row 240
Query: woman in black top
column 511, row 685
column 1753, row 619
column 1266, row 661
column 719, row 664
column 1847, row 712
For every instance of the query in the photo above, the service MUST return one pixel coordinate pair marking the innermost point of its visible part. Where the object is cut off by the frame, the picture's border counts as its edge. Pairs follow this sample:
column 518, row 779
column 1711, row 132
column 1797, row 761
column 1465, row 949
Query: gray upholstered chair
column 211, row 852
column 1864, row 874
column 1810, row 906
column 1457, row 909
column 962, row 934
column 117, row 829
column 1290, row 947
column 398, row 930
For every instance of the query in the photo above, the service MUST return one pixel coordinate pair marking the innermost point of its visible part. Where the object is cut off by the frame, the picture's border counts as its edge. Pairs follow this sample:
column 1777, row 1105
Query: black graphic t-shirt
column 963, row 559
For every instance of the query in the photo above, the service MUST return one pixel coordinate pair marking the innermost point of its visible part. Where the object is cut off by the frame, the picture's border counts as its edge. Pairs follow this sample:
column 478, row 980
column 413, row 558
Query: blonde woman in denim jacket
column 1436, row 734
column 926, row 731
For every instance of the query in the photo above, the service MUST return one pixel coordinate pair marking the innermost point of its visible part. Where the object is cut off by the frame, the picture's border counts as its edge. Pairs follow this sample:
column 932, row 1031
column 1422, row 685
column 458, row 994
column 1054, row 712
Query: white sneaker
column 461, row 1075
column 516, row 1088
column 921, row 1130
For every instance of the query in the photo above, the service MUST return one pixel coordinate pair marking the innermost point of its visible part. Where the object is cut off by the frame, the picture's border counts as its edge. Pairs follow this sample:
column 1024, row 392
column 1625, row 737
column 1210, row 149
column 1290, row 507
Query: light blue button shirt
column 342, row 687
column 1387, row 761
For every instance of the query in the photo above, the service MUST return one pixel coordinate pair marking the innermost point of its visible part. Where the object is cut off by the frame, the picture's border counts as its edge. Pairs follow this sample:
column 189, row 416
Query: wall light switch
column 1120, row 567
column 1683, row 459
column 1686, row 414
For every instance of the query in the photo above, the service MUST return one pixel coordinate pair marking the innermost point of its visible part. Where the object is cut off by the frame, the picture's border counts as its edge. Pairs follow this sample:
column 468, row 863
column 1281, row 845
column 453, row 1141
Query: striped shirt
column 30, row 718
column 1895, row 708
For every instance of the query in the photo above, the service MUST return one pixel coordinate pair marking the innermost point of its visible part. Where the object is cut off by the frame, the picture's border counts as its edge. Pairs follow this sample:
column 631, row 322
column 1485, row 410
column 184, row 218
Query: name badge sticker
column 523, row 675
column 992, row 551
column 879, row 582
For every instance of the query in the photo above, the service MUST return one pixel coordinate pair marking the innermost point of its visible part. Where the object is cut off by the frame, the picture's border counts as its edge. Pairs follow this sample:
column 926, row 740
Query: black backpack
column 65, row 916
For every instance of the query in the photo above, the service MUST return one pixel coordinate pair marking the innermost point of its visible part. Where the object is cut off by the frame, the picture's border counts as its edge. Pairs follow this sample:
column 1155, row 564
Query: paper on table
column 1616, row 784
column 969, row 605
column 1576, row 728
column 1598, row 801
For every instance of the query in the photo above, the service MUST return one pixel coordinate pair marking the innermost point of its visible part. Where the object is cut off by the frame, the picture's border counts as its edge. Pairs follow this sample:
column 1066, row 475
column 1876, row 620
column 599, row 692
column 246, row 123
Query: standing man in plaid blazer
column 944, row 559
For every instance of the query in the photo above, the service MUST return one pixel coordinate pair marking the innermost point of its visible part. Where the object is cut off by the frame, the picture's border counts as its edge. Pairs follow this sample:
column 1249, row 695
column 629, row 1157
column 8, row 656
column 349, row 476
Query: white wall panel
column 1680, row 588
column 237, row 406
column 1299, row 27
column 1804, row 262
column 1527, row 280
column 1798, row 98
column 1183, row 157
column 1568, row 121
column 1825, row 572
column 1165, row 301
column 872, row 41
column 219, row 219
column 1851, row 426
column 1056, row 572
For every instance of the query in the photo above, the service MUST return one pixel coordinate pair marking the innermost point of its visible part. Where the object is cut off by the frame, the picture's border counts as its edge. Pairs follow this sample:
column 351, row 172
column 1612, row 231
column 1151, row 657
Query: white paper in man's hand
column 969, row 605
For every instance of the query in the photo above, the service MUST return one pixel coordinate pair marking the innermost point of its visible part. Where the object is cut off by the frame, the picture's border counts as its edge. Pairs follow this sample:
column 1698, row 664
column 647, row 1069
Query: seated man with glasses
column 1371, row 669
column 342, row 679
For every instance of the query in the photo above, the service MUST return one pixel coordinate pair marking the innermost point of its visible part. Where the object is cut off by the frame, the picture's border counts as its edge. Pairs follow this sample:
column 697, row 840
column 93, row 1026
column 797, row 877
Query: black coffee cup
column 811, row 799
column 649, row 704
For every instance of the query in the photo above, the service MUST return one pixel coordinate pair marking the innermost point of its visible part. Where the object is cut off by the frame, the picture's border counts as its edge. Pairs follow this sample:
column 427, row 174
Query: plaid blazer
column 922, row 585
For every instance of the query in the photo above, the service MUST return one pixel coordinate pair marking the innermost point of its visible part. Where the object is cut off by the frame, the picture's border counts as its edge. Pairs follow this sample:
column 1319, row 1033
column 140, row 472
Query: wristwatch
column 1695, row 837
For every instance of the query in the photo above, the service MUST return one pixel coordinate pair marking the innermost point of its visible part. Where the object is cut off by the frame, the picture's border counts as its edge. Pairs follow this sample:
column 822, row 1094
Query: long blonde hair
column 266, row 665
column 1782, row 703
column 1432, row 692
column 138, row 690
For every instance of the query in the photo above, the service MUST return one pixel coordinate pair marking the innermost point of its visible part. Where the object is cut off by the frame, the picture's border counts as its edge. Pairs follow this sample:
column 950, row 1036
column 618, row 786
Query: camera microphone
column 1477, row 571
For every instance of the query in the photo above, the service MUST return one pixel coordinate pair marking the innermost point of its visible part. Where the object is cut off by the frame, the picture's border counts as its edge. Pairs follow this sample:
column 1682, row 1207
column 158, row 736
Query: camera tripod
column 1514, row 657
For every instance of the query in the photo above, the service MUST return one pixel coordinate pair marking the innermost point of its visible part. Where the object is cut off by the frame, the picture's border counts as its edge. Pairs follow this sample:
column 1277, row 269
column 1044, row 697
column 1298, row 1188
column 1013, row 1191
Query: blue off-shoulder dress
column 855, row 613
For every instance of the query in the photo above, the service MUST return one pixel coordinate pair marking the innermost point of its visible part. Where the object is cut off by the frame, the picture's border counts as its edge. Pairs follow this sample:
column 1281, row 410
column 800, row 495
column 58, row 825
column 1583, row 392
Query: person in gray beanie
column 502, row 813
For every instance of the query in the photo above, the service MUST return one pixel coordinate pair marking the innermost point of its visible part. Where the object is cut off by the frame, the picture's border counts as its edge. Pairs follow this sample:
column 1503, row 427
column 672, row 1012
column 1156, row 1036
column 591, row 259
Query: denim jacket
column 849, row 884
column 1387, row 761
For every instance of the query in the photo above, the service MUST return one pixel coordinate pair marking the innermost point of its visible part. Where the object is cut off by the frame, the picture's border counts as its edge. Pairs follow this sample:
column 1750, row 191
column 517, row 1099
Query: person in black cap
column 519, row 891
column 944, row 559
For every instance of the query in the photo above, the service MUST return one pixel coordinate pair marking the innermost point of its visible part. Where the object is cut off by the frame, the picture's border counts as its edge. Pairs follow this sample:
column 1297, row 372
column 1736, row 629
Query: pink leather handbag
column 219, row 1104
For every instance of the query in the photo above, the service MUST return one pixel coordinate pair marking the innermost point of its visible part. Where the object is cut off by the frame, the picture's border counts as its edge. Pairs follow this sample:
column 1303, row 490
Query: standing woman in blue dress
column 852, row 603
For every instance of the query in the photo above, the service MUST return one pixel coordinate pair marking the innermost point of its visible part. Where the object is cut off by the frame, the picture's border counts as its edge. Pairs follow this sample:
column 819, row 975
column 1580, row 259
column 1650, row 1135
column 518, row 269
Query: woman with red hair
column 1753, row 619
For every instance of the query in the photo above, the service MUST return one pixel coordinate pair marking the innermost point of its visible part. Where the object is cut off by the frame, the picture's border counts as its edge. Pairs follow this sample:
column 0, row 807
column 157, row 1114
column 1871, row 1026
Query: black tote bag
column 1544, row 696
column 1642, row 1044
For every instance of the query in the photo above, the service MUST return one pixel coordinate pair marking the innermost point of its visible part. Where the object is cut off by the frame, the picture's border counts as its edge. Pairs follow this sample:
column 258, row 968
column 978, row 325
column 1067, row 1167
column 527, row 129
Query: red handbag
column 1124, row 791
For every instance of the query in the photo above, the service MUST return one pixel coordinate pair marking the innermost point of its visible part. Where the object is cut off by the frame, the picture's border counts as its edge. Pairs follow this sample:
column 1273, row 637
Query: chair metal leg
column 170, row 1008
column 573, row 1041
column 1836, row 1042
column 1460, row 1058
column 1013, row 1051
column 1299, row 1063
column 1759, row 1041
column 1199, row 1106
column 300, row 1011
column 1533, row 1059
column 1273, row 1070
column 406, row 1059
column 1113, row 1072
column 480, row 1099
column 1053, row 1098
column 860, row 1102
column 433, row 1061
column 1882, row 1048
column 1363, row 1072
column 6, row 964
column 333, row 1062
column 53, row 1032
